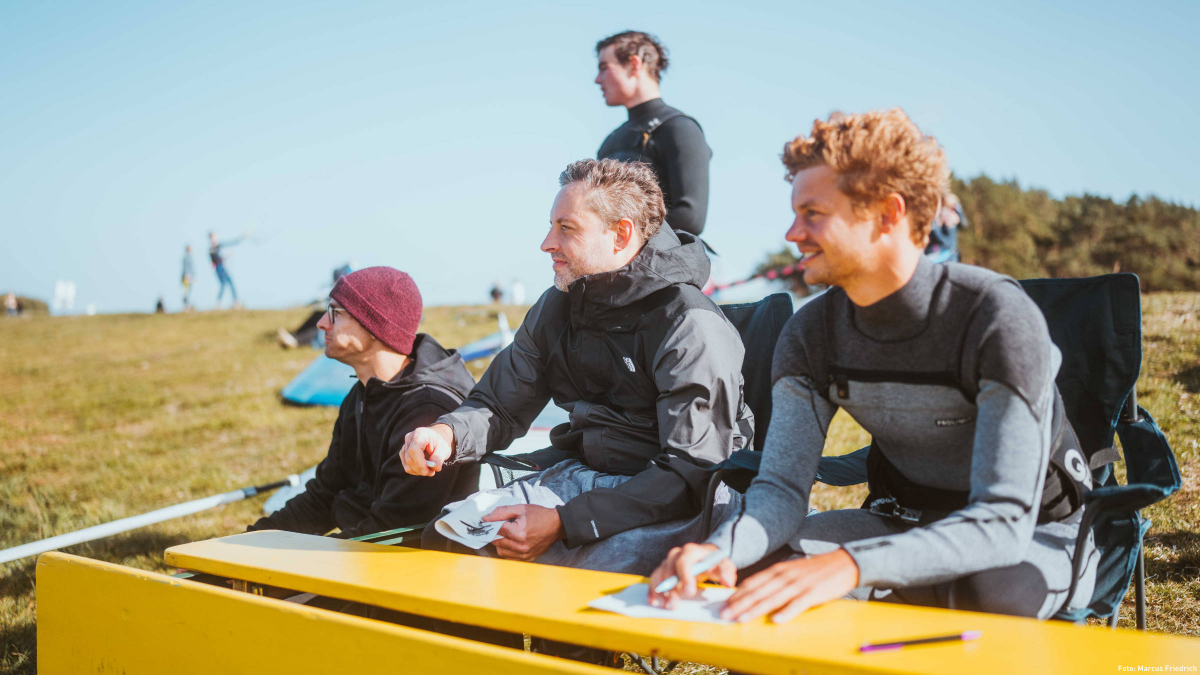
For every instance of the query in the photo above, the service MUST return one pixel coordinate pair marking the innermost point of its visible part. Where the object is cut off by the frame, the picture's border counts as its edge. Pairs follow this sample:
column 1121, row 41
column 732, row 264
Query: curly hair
column 876, row 153
column 652, row 52
column 619, row 190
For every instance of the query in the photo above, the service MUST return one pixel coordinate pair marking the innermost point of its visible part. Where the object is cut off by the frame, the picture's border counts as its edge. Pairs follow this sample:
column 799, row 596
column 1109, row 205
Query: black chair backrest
column 1097, row 325
column 759, row 324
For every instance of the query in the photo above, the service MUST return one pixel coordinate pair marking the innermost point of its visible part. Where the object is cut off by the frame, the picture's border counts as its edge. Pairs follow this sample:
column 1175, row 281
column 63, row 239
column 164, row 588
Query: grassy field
column 109, row 416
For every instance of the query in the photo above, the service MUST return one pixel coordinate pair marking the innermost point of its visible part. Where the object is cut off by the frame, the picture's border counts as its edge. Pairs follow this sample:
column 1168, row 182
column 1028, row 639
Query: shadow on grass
column 1189, row 378
column 18, row 579
column 129, row 545
column 18, row 649
column 1182, row 559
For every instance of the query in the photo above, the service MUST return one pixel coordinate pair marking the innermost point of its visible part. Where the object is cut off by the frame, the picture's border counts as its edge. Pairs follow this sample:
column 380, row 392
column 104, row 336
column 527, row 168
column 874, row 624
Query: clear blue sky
column 429, row 137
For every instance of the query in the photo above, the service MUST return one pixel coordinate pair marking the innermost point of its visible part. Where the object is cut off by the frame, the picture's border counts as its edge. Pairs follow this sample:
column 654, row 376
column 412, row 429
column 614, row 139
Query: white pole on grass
column 133, row 522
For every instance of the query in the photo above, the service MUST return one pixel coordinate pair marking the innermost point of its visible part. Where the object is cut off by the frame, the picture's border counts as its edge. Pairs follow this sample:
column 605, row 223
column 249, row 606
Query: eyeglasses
column 333, row 314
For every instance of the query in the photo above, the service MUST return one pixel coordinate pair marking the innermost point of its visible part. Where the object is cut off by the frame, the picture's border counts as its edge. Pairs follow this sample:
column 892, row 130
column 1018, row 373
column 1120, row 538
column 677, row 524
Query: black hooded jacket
column 361, row 486
column 649, row 370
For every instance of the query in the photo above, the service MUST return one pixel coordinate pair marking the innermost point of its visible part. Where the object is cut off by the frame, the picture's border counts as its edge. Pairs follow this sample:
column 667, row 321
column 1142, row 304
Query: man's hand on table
column 678, row 563
column 530, row 530
column 792, row 587
column 788, row 588
column 424, row 445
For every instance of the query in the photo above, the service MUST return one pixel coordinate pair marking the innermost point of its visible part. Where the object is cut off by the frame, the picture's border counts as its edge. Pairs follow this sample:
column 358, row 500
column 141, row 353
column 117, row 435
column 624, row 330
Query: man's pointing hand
column 426, row 449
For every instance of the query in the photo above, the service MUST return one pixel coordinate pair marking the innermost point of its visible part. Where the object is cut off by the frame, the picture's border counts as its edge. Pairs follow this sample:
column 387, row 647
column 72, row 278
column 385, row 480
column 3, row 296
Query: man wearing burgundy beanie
column 406, row 380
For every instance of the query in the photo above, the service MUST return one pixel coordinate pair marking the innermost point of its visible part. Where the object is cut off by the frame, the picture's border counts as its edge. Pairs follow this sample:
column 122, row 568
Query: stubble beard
column 588, row 263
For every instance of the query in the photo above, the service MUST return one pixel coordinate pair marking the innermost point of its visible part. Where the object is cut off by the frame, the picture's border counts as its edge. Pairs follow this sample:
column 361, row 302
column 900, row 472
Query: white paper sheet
column 464, row 523
column 633, row 602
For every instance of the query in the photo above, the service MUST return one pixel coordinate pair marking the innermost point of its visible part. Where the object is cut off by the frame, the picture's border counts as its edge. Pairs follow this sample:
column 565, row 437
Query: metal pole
column 1131, row 407
column 1140, row 589
column 125, row 524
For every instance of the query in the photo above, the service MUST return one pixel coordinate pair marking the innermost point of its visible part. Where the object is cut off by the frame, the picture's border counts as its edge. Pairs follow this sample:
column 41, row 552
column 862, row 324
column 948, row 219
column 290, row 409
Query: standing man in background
column 672, row 143
column 218, row 261
column 189, row 273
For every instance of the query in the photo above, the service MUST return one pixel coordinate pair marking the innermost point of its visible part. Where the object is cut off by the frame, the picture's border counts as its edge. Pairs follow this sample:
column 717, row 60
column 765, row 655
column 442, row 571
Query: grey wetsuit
column 983, row 426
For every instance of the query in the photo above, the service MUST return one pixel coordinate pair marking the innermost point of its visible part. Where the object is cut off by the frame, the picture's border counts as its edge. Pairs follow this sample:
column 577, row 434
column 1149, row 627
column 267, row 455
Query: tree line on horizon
column 1026, row 233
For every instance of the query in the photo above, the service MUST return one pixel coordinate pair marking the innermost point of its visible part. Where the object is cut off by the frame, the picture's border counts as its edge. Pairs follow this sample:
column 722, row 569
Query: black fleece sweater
column 361, row 486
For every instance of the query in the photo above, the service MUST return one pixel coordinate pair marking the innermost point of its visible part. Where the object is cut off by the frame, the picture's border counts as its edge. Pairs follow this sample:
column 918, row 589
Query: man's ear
column 626, row 234
column 634, row 65
column 894, row 212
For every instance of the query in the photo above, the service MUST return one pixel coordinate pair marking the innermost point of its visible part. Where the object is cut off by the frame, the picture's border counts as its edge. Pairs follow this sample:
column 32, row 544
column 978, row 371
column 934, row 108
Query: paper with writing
column 633, row 602
column 465, row 524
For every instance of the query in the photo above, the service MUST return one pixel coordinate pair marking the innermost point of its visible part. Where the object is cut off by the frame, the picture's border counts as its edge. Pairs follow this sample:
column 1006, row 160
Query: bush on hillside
column 1026, row 233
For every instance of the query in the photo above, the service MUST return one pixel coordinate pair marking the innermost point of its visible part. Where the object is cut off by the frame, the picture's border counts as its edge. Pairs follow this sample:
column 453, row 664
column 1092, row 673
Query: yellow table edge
column 96, row 616
column 329, row 562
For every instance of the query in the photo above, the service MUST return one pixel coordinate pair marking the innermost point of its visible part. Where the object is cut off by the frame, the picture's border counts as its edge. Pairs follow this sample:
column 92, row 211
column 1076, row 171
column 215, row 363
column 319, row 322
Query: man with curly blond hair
column 975, row 476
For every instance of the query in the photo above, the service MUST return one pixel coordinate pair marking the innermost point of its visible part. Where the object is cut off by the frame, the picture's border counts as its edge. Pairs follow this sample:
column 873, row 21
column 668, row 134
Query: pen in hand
column 707, row 563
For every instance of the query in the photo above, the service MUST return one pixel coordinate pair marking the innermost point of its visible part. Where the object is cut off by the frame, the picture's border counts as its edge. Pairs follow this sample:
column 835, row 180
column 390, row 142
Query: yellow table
column 551, row 602
column 97, row 617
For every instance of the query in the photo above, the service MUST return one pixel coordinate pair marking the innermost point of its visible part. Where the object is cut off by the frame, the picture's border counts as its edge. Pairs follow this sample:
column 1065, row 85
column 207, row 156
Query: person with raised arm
column 218, row 262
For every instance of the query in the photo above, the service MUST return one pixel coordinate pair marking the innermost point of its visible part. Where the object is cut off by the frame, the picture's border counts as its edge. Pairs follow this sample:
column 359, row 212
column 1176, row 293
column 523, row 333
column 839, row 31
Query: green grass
column 106, row 417
column 109, row 416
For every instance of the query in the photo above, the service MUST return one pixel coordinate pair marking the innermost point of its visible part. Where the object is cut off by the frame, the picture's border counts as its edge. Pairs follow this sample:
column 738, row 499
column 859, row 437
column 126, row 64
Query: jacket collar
column 668, row 259
column 429, row 364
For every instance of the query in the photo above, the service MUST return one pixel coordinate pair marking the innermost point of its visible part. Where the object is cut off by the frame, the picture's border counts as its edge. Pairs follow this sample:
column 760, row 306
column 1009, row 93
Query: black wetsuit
column 674, row 145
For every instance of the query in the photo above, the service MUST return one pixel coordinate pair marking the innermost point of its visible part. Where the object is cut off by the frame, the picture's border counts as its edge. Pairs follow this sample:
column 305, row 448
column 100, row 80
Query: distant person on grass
column 11, row 308
column 187, row 278
column 218, row 262
column 630, row 65
column 406, row 380
column 943, row 236
column 951, row 370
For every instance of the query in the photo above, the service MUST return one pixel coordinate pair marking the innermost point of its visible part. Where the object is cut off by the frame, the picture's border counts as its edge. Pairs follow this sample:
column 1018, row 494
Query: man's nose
column 323, row 323
column 549, row 245
column 797, row 232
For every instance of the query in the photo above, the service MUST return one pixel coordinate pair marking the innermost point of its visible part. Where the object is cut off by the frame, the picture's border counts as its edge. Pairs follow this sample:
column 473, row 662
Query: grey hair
column 617, row 190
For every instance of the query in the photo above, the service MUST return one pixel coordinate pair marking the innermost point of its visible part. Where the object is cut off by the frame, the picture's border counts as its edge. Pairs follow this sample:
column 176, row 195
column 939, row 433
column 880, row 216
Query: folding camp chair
column 1097, row 325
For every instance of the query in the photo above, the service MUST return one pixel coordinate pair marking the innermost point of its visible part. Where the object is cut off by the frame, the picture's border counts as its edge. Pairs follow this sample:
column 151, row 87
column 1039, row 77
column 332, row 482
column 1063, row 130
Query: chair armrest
column 1125, row 498
column 850, row 469
column 1148, row 457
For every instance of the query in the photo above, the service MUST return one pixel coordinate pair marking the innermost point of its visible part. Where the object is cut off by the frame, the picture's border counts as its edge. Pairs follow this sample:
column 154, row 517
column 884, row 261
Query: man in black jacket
column 630, row 65
column 647, row 366
column 405, row 380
